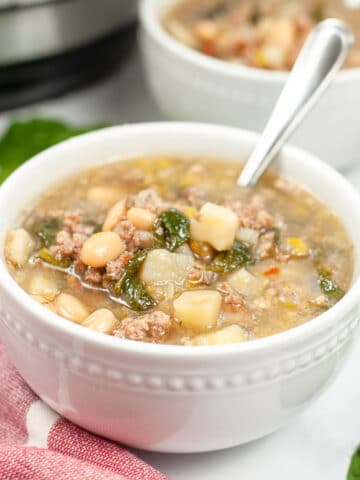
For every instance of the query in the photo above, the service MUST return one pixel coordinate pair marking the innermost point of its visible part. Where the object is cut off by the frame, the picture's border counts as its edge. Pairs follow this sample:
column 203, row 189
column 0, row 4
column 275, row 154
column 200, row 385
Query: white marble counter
column 318, row 445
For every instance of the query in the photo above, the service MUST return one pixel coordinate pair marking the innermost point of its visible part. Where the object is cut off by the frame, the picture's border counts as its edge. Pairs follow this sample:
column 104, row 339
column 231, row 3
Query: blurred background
column 53, row 48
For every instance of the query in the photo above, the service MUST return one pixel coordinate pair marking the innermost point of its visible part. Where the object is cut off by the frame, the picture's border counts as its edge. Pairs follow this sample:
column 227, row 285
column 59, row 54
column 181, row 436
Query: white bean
column 141, row 218
column 43, row 283
column 18, row 247
column 71, row 308
column 101, row 248
column 115, row 214
column 104, row 196
column 102, row 321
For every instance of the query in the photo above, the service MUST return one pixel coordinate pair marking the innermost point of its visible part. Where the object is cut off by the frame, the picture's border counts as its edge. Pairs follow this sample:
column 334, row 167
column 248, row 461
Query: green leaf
column 24, row 139
column 216, row 11
column 256, row 15
column 329, row 287
column 237, row 257
column 48, row 257
column 354, row 469
column 131, row 289
column 46, row 230
column 171, row 230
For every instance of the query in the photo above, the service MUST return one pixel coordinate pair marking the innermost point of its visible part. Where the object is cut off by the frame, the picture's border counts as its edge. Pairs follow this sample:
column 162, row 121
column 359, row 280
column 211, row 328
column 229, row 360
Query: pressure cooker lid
column 35, row 29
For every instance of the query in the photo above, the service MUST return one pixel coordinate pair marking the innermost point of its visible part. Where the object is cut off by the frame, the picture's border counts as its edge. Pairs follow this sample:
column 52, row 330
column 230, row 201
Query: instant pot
column 48, row 47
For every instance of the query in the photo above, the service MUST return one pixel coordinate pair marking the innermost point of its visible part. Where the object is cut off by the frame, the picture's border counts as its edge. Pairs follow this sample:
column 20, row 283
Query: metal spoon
column 320, row 59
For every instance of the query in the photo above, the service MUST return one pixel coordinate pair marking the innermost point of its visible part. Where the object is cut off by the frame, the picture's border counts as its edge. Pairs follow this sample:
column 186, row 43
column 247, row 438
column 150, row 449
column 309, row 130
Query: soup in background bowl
column 175, row 398
column 188, row 85
column 258, row 33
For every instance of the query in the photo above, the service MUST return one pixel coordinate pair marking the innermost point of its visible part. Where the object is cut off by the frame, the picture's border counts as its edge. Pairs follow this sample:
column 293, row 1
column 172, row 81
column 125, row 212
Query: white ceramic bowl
column 188, row 85
column 172, row 398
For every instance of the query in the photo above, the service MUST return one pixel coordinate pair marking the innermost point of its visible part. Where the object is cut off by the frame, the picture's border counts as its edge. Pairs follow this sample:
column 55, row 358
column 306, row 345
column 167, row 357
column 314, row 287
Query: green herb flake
column 319, row 13
column 46, row 230
column 48, row 257
column 171, row 230
column 329, row 287
column 354, row 469
column 216, row 11
column 131, row 289
column 24, row 139
column 237, row 257
column 256, row 15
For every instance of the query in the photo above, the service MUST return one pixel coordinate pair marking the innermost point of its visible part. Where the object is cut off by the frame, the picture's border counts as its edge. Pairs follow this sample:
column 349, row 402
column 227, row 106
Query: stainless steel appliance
column 50, row 46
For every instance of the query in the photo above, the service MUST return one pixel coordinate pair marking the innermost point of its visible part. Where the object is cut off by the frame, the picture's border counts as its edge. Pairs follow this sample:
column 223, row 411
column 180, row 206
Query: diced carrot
column 208, row 48
column 272, row 271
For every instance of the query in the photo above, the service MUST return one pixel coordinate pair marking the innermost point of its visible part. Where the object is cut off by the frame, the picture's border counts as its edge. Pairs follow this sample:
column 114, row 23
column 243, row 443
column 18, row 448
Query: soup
column 258, row 33
column 169, row 250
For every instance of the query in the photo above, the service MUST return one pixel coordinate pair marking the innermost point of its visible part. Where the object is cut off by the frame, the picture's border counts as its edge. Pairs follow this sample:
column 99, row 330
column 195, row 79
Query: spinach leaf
column 354, row 469
column 277, row 236
column 237, row 257
column 24, row 139
column 256, row 15
column 216, row 11
column 48, row 257
column 171, row 230
column 329, row 287
column 131, row 289
column 46, row 230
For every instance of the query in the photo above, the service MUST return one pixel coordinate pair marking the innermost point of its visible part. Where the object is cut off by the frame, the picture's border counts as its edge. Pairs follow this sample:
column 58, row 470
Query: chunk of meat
column 284, row 292
column 72, row 222
column 115, row 268
column 127, row 231
column 195, row 195
column 148, row 199
column 93, row 276
column 233, row 299
column 201, row 276
column 67, row 244
column 152, row 327
column 320, row 301
column 252, row 215
column 266, row 246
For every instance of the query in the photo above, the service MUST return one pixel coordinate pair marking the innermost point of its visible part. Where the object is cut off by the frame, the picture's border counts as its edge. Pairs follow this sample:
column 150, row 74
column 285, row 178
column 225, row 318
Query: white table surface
column 317, row 445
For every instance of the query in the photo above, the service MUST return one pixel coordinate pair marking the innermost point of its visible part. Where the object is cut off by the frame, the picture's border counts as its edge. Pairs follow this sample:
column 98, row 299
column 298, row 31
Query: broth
column 191, row 258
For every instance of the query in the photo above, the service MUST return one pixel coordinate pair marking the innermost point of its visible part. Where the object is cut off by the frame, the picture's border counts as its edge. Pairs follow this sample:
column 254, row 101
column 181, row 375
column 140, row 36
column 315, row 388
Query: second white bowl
column 188, row 85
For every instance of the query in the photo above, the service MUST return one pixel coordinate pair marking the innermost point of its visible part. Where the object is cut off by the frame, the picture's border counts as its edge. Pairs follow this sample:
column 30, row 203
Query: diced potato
column 43, row 284
column 282, row 33
column 162, row 266
column 18, row 247
column 247, row 235
column 244, row 282
column 232, row 334
column 198, row 309
column 216, row 225
column 206, row 30
column 271, row 56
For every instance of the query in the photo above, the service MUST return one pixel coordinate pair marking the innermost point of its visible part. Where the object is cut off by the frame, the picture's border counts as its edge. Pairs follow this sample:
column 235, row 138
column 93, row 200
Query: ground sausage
column 152, row 327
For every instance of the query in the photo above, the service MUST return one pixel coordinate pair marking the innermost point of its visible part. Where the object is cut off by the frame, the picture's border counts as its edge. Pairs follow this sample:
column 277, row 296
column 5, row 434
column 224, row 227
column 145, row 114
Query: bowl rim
column 151, row 22
column 301, row 333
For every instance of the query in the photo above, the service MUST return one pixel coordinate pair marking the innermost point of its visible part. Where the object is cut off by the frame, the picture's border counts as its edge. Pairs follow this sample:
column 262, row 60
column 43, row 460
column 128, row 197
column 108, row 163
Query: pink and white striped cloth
column 37, row 444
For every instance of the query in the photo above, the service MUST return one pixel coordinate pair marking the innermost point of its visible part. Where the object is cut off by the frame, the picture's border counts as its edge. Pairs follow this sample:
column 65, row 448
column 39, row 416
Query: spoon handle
column 320, row 59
